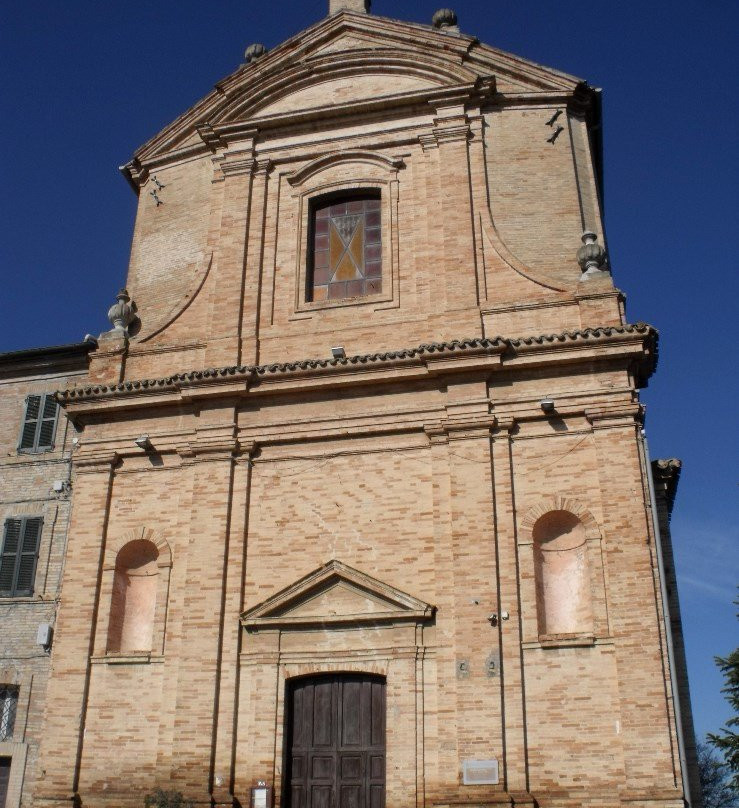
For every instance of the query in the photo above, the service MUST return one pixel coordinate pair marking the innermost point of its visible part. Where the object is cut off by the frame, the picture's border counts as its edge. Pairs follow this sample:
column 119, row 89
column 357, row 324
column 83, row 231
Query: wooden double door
column 335, row 742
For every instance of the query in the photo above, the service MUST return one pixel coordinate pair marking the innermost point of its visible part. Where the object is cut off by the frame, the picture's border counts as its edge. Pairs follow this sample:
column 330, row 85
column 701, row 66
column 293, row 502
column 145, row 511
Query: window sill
column 38, row 599
column 575, row 640
column 319, row 305
column 128, row 658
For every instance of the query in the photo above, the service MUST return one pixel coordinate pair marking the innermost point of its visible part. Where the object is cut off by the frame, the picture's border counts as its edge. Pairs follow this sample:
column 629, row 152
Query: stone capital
column 616, row 415
column 95, row 462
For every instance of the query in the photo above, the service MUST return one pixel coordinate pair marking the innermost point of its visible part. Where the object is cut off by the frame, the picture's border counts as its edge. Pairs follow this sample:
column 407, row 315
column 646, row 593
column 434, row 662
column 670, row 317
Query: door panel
column 336, row 738
column 4, row 778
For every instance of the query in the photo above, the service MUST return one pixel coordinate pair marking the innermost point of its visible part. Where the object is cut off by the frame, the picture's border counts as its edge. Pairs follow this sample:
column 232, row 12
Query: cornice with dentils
column 253, row 375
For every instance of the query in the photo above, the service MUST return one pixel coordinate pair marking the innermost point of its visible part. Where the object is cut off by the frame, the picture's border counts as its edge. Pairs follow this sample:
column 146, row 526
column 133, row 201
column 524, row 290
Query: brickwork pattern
column 419, row 474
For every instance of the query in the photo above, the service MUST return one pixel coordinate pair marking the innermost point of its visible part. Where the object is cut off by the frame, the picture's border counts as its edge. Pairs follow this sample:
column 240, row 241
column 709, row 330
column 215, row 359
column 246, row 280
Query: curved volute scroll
column 495, row 240
column 202, row 270
column 390, row 164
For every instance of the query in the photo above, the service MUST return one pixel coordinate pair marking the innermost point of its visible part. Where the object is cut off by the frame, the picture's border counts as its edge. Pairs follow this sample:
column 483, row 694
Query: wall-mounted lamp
column 493, row 619
column 144, row 442
column 547, row 404
column 338, row 352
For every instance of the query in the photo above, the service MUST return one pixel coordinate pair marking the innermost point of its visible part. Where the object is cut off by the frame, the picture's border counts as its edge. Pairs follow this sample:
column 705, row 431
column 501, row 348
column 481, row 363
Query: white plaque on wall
column 480, row 772
column 260, row 798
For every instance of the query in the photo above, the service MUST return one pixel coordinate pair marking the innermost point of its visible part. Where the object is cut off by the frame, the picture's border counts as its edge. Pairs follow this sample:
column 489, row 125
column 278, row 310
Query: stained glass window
column 346, row 254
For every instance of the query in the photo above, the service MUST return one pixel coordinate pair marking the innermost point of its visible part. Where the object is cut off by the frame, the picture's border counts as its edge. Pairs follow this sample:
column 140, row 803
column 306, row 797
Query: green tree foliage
column 716, row 788
column 727, row 741
column 166, row 799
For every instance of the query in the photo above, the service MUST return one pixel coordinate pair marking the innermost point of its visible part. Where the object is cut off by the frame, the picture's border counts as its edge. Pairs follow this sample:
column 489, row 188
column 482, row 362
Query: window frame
column 35, row 448
column 8, row 710
column 304, row 198
column 14, row 591
column 333, row 198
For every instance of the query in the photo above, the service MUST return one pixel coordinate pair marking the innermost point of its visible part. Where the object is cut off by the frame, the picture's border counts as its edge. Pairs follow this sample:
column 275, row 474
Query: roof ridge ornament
column 254, row 52
column 360, row 6
column 445, row 19
column 591, row 256
column 123, row 312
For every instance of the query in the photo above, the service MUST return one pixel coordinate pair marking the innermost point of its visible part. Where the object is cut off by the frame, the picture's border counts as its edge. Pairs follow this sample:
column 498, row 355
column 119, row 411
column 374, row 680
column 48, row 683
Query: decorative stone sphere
column 591, row 255
column 254, row 52
column 122, row 312
column 444, row 18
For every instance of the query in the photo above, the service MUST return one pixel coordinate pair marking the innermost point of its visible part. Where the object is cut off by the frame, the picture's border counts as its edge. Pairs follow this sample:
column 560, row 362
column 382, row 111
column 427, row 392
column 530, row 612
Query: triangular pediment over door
column 336, row 594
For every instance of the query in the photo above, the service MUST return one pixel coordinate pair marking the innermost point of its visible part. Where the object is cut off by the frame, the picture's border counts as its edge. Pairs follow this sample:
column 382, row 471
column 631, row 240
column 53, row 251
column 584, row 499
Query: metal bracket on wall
column 463, row 668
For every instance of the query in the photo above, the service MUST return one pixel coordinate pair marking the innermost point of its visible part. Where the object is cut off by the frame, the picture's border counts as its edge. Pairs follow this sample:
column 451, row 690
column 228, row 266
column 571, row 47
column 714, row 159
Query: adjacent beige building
column 35, row 490
column 362, row 507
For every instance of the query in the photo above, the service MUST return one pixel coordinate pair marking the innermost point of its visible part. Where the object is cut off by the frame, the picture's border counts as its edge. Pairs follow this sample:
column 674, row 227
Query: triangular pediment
column 345, row 58
column 336, row 594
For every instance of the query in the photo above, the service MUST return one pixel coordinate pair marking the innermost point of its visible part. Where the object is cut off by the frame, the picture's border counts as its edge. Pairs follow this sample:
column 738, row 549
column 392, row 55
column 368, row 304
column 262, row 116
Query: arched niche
column 134, row 595
column 562, row 573
column 563, row 596
column 133, row 602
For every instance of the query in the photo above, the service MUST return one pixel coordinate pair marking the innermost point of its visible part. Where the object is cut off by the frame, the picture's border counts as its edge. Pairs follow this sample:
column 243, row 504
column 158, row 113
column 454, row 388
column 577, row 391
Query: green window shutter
column 39, row 423
column 19, row 556
column 30, row 422
column 26, row 566
column 47, row 425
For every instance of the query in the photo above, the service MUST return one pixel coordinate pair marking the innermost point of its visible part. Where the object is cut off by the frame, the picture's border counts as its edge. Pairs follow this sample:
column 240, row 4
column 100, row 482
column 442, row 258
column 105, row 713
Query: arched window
column 345, row 246
column 133, row 603
column 562, row 577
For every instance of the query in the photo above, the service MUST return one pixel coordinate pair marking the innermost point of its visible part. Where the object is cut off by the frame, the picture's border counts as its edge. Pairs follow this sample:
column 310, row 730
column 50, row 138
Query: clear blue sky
column 85, row 83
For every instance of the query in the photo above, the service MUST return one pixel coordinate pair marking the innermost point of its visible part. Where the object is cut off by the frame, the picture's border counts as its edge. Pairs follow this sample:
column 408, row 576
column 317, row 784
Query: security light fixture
column 547, row 404
column 338, row 352
column 144, row 442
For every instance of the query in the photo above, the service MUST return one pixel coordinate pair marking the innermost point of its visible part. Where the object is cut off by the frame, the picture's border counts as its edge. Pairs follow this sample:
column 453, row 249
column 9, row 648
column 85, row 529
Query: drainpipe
column 666, row 618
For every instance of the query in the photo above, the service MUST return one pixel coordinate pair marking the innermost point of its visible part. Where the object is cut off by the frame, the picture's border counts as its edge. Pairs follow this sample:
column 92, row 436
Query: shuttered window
column 21, row 540
column 39, row 424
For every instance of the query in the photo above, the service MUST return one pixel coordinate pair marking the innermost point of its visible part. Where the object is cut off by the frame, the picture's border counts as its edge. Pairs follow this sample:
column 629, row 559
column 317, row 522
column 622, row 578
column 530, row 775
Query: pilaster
column 451, row 133
column 642, row 679
column 249, row 350
column 224, row 786
column 469, row 670
column 62, row 744
column 108, row 360
column 235, row 169
column 211, row 458
column 512, row 686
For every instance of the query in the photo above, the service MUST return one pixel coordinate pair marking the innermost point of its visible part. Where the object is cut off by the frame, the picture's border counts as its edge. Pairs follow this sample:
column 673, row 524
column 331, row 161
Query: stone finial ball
column 444, row 18
column 122, row 312
column 254, row 52
column 591, row 254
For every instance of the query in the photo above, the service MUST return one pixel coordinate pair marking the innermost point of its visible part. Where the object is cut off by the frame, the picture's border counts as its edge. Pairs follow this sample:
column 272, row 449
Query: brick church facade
column 363, row 513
